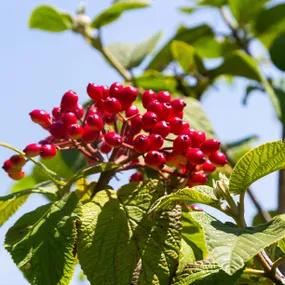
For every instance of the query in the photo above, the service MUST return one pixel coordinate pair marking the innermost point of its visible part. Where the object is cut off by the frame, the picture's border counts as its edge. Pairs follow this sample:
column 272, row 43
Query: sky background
column 36, row 68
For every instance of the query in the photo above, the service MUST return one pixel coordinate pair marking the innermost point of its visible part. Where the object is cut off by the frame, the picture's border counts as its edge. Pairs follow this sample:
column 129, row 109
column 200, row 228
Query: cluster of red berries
column 112, row 128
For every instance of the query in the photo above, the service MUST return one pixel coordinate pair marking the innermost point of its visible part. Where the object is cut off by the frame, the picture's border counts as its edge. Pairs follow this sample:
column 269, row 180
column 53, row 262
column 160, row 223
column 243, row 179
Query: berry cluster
column 112, row 128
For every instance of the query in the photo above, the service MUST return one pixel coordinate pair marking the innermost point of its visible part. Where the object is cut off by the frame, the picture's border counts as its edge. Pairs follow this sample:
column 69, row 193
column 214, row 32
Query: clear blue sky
column 37, row 67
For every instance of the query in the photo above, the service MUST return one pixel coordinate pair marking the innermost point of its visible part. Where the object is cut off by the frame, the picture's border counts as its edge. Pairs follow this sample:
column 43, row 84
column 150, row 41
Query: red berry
column 16, row 175
column 18, row 161
column 128, row 95
column 208, row 166
column 131, row 111
column 33, row 149
column 162, row 128
column 105, row 148
column 95, row 92
column 149, row 120
column 41, row 117
column 109, row 118
column 163, row 96
column 210, row 145
column 166, row 112
column 198, row 178
column 197, row 137
column 116, row 89
column 141, row 143
column 113, row 139
column 195, row 155
column 155, row 142
column 8, row 165
column 56, row 113
column 69, row 101
column 69, row 118
column 155, row 106
column 178, row 105
column 48, row 151
column 181, row 144
column 136, row 177
column 147, row 97
column 155, row 158
column 136, row 124
column 95, row 122
column 89, row 135
column 112, row 105
column 58, row 130
column 218, row 158
column 178, row 126
column 79, row 111
column 75, row 131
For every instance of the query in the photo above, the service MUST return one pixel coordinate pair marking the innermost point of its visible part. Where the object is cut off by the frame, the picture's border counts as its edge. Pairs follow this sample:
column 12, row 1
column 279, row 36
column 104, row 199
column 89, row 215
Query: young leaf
column 197, row 194
column 50, row 19
column 132, row 55
column 114, row 12
column 231, row 247
column 195, row 114
column 257, row 163
column 42, row 242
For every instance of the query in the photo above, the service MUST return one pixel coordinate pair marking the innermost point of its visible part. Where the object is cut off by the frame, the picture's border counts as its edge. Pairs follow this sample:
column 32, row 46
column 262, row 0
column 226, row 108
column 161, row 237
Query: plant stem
column 255, row 272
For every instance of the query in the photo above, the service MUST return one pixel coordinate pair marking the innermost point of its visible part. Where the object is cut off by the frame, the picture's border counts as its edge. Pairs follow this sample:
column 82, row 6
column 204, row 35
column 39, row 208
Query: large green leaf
column 42, row 242
column 132, row 55
column 231, row 247
column 116, row 233
column 257, row 163
column 269, row 23
column 114, row 12
column 50, row 19
column 197, row 117
column 204, row 273
column 198, row 194
column 277, row 51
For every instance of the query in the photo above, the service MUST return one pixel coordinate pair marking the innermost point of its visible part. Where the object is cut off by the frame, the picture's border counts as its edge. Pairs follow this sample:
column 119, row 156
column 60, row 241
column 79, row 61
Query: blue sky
column 37, row 67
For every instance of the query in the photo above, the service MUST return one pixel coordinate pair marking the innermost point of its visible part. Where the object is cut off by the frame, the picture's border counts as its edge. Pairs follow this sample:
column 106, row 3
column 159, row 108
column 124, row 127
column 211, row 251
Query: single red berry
column 41, row 117
column 141, row 143
column 95, row 92
column 178, row 105
column 18, row 161
column 116, row 90
column 218, row 158
column 197, row 137
column 163, row 96
column 33, row 149
column 95, row 121
column 166, row 112
column 198, row 178
column 48, row 151
column 8, row 165
column 147, row 97
column 113, row 139
column 105, row 148
column 16, row 175
column 181, row 144
column 195, row 155
column 210, row 145
column 178, row 126
column 208, row 166
column 149, row 120
column 109, row 118
column 155, row 158
column 155, row 106
column 79, row 111
column 89, row 135
column 155, row 142
column 136, row 124
column 112, row 105
column 128, row 95
column 69, row 118
column 162, row 128
column 131, row 111
column 69, row 101
column 56, row 113
column 136, row 177
column 75, row 131
column 58, row 130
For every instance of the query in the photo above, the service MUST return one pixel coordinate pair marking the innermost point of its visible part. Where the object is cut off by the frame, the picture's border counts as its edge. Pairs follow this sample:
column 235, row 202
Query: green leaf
column 257, row 163
column 132, row 55
column 50, row 19
column 42, row 242
column 187, row 57
column 115, row 11
column 203, row 273
column 116, row 233
column 197, row 194
column 277, row 51
column 195, row 114
column 269, row 23
column 231, row 247
column 157, row 81
column 187, row 9
column 215, row 3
